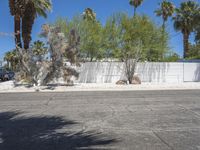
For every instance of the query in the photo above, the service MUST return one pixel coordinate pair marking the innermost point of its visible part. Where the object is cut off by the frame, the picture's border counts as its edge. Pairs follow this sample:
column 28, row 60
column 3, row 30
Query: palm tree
column 12, row 59
column 185, row 21
column 39, row 49
column 89, row 15
column 165, row 11
column 26, row 11
column 135, row 4
column 7, row 58
column 33, row 9
column 17, row 8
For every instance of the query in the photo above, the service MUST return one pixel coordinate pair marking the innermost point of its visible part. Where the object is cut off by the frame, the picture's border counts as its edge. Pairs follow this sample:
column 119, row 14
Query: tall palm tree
column 25, row 12
column 185, row 20
column 17, row 8
column 165, row 11
column 33, row 9
column 135, row 4
column 89, row 15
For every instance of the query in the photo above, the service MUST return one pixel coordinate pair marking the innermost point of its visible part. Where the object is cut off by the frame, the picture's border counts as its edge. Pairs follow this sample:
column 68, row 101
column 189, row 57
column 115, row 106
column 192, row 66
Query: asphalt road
column 132, row 120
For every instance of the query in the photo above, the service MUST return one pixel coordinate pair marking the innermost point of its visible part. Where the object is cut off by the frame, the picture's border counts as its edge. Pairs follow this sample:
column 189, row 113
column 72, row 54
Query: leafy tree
column 135, row 4
column 140, row 38
column 90, row 32
column 142, row 29
column 111, row 40
column 185, row 21
column 91, row 40
column 194, row 52
column 111, row 35
column 171, row 57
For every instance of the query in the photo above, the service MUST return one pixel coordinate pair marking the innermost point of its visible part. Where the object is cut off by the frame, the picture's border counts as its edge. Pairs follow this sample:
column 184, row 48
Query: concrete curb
column 84, row 89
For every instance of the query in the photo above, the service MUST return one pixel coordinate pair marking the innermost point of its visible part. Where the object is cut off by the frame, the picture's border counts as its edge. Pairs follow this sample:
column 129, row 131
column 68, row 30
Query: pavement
column 10, row 87
column 121, row 120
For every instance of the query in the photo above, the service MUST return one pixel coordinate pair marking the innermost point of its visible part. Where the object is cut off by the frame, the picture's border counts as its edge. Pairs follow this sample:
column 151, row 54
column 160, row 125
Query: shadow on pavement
column 41, row 133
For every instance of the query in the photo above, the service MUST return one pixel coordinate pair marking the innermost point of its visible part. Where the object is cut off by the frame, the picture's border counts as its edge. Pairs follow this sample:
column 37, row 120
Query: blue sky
column 69, row 8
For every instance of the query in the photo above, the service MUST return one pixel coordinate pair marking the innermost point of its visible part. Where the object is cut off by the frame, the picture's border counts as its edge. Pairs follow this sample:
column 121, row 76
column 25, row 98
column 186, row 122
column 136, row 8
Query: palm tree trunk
column 163, row 38
column 163, row 25
column 91, row 58
column 186, row 43
column 27, row 24
column 135, row 11
column 17, row 20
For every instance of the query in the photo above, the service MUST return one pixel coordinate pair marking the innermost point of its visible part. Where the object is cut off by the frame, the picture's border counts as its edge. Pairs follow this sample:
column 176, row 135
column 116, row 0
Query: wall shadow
column 153, row 72
column 197, row 73
column 41, row 133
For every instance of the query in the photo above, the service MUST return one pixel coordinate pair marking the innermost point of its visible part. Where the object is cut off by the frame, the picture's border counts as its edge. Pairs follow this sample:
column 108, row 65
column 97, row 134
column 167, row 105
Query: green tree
column 171, row 57
column 185, row 21
column 90, row 32
column 194, row 52
column 91, row 40
column 142, row 30
column 112, row 36
column 135, row 4
column 91, row 37
column 111, row 40
column 141, row 40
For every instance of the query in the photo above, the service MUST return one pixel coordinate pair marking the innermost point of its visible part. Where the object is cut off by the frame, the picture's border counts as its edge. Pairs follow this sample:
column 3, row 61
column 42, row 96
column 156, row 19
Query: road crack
column 162, row 140
column 186, row 109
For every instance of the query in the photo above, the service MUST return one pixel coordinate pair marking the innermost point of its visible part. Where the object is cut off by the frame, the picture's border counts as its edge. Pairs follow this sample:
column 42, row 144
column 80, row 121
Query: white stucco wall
column 192, row 72
column 110, row 72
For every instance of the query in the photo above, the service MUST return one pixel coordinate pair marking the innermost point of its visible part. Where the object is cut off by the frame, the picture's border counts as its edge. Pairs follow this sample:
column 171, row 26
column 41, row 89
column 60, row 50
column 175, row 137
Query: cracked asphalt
column 124, row 120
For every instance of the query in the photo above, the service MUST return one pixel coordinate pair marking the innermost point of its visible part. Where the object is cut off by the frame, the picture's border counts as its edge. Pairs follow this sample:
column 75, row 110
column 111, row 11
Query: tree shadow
column 41, row 133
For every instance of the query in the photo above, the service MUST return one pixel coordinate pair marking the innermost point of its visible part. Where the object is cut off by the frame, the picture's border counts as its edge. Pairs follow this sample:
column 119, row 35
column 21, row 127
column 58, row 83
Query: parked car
column 6, row 75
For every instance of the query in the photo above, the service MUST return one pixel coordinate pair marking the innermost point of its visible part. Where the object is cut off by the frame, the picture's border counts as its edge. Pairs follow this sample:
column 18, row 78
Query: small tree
column 42, row 72
column 131, row 59
column 139, row 36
